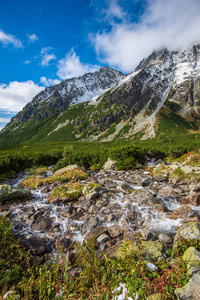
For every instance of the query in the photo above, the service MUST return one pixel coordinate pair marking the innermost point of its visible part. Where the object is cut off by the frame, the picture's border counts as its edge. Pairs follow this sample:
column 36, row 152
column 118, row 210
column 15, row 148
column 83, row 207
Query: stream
column 44, row 226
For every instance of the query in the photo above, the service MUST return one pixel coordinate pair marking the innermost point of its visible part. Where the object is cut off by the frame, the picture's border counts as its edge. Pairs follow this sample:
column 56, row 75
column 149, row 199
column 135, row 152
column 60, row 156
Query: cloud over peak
column 71, row 66
column 173, row 24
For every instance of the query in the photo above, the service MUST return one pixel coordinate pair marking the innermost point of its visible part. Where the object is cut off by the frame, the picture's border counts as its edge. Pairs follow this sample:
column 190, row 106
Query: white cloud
column 27, row 62
column 32, row 38
column 71, row 66
column 114, row 11
column 4, row 120
column 16, row 95
column 46, row 57
column 6, row 39
column 48, row 82
column 172, row 23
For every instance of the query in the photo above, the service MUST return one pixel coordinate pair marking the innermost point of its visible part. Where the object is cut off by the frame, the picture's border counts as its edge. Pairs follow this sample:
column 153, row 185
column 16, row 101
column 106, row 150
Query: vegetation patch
column 68, row 192
column 68, row 175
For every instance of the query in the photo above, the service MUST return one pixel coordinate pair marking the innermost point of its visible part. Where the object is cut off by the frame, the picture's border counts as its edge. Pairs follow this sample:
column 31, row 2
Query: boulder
column 166, row 191
column 10, row 193
column 164, row 238
column 40, row 245
column 145, row 233
column 190, row 290
column 115, row 231
column 95, row 233
column 67, row 168
column 192, row 257
column 188, row 231
column 161, row 177
column 43, row 223
column 141, row 195
column 109, row 165
column 91, row 223
column 91, row 196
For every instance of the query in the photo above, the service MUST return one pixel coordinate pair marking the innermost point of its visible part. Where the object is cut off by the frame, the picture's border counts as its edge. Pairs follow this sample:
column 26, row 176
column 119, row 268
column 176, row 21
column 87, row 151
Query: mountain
column 159, row 99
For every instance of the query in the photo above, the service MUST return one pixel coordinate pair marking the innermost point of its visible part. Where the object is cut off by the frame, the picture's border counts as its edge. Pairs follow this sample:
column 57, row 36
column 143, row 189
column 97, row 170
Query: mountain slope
column 163, row 92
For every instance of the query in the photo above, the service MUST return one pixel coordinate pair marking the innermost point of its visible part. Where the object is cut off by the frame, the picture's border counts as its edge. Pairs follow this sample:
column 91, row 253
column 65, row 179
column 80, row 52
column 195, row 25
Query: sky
column 43, row 42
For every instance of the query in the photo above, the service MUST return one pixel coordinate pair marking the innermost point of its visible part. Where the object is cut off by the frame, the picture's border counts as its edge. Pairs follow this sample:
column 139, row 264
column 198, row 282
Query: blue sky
column 43, row 42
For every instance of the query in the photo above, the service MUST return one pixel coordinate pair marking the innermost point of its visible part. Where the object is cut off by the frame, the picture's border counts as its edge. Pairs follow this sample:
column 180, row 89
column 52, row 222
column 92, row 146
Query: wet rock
column 161, row 177
column 194, row 219
column 190, row 290
column 134, row 179
column 124, row 188
column 93, row 209
column 115, row 230
column 165, row 191
column 77, row 216
column 188, row 231
column 105, row 211
column 113, row 205
column 95, row 233
column 91, row 223
column 92, row 196
column 145, row 233
column 101, row 203
column 141, row 195
column 39, row 245
column 63, row 243
column 180, row 213
column 10, row 193
column 164, row 238
column 42, row 223
column 192, row 257
column 103, row 238
column 157, row 204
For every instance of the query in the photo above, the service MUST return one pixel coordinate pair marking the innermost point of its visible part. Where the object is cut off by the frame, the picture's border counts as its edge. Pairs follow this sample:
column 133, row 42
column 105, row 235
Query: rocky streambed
column 151, row 200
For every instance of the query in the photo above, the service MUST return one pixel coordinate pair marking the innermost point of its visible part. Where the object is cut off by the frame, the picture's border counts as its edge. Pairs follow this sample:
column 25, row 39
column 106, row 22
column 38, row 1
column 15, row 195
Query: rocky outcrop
column 11, row 193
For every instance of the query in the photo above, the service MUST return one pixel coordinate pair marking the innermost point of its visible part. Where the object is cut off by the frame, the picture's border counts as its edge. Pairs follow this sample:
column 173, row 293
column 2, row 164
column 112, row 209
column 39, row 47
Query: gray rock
column 145, row 233
column 91, row 223
column 103, row 238
column 10, row 193
column 191, row 290
column 95, row 233
column 39, row 245
column 188, row 231
column 109, row 165
column 161, row 177
column 115, row 231
column 164, row 238
column 42, row 223
column 192, row 257
column 92, row 196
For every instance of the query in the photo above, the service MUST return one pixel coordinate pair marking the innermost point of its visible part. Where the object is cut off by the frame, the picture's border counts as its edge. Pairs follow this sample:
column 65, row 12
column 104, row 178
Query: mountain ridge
column 111, row 105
